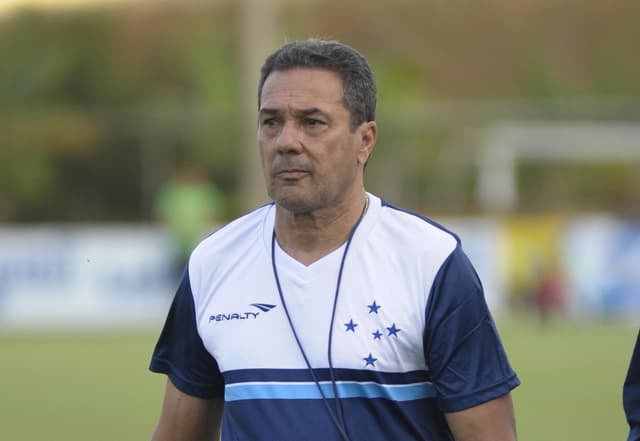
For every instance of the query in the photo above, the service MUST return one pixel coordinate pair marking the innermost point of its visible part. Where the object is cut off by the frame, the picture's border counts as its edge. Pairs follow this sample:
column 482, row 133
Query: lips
column 291, row 173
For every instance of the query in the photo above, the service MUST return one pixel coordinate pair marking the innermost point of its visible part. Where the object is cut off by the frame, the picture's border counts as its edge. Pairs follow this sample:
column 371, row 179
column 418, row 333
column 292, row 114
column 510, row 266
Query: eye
column 312, row 122
column 268, row 122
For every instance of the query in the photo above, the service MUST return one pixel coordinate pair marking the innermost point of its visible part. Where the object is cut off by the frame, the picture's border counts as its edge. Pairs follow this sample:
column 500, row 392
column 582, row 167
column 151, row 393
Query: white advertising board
column 96, row 276
column 84, row 276
column 602, row 263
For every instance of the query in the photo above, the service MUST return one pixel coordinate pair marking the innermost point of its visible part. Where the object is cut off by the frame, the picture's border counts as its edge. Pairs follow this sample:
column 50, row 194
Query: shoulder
column 409, row 230
column 236, row 237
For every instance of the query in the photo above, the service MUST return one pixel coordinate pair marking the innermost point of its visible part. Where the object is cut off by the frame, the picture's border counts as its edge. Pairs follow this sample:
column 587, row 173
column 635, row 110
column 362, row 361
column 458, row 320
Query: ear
column 367, row 134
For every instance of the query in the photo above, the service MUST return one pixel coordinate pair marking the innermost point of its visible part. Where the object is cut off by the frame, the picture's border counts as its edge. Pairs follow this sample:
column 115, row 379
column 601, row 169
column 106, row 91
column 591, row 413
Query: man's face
column 310, row 156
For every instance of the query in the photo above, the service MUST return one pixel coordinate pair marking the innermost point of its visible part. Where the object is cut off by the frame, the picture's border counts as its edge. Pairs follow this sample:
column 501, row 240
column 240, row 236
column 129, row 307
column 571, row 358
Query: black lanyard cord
column 339, row 425
column 338, row 420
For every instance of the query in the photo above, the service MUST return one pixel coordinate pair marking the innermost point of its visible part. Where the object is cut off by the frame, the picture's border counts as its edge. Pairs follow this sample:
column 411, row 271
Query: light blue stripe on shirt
column 309, row 391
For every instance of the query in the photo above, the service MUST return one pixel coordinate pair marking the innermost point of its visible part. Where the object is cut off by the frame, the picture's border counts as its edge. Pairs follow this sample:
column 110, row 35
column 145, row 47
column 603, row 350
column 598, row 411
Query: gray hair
column 358, row 84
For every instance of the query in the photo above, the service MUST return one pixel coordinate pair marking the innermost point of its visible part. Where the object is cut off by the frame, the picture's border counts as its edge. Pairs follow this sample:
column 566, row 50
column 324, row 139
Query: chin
column 293, row 201
column 295, row 205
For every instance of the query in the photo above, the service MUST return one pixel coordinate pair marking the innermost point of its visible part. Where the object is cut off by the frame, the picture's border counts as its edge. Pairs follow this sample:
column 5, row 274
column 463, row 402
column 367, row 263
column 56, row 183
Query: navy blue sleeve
column 463, row 351
column 631, row 394
column 180, row 352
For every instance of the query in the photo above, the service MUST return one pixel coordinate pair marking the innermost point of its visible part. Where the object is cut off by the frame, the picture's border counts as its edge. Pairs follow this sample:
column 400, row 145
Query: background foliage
column 96, row 105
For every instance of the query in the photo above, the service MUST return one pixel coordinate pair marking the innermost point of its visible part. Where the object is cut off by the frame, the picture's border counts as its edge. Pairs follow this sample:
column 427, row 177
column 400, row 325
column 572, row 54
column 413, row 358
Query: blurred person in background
column 631, row 394
column 549, row 294
column 189, row 205
column 329, row 314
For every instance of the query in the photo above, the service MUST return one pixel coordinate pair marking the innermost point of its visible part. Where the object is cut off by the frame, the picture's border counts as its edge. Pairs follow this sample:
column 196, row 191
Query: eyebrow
column 268, row 111
column 309, row 111
column 301, row 112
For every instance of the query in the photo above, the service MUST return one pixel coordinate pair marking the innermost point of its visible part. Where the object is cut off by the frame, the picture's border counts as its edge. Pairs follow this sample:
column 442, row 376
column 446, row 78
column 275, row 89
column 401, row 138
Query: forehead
column 301, row 87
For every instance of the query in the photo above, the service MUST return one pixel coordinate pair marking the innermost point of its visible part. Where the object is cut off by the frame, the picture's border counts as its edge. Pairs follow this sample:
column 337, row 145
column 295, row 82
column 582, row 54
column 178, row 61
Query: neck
column 310, row 236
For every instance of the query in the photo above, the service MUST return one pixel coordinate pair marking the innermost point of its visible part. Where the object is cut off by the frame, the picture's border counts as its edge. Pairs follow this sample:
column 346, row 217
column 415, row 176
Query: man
column 631, row 394
column 188, row 205
column 329, row 314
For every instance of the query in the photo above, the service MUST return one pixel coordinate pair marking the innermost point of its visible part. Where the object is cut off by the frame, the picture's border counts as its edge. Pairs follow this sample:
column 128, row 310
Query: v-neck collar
column 367, row 222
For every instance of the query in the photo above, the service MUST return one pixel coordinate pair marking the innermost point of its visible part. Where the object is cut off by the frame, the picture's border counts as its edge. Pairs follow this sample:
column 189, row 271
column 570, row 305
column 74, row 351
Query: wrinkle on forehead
column 302, row 88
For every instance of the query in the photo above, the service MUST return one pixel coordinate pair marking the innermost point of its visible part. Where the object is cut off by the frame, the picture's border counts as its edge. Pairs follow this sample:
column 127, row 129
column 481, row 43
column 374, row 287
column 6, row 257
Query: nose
column 288, row 140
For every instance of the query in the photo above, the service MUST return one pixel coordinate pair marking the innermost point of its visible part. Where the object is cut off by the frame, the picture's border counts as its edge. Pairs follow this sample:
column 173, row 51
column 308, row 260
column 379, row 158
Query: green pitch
column 572, row 376
column 77, row 387
column 95, row 386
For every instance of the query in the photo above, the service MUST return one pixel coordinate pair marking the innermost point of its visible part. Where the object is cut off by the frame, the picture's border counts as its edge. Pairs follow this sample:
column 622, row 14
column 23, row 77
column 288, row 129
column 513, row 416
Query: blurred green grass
column 571, row 375
column 88, row 386
column 95, row 385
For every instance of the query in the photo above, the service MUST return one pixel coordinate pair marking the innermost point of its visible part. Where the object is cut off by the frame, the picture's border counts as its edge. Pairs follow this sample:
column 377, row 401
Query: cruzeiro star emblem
column 393, row 330
column 370, row 361
column 351, row 326
column 373, row 307
column 379, row 332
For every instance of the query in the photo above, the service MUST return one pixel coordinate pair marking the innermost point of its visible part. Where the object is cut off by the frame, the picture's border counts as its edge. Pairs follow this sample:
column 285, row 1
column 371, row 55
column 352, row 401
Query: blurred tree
column 95, row 105
column 91, row 99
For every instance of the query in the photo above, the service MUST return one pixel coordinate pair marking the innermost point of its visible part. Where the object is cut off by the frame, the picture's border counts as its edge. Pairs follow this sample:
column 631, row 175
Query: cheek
column 266, row 153
column 351, row 155
column 341, row 165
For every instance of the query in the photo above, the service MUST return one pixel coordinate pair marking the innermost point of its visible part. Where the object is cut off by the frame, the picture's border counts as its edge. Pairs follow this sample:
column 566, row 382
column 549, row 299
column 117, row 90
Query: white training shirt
column 412, row 336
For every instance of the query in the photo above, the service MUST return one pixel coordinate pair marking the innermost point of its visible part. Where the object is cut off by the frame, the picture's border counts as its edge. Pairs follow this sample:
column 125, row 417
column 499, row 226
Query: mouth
column 291, row 173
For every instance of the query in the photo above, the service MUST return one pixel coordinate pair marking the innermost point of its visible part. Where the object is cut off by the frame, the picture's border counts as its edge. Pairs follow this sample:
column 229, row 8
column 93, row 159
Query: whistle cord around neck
column 338, row 420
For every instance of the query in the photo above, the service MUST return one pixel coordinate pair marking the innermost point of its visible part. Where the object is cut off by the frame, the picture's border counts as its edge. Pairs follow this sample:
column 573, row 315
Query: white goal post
column 507, row 145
